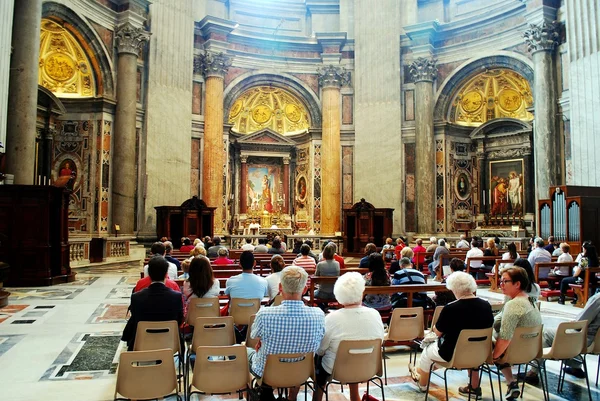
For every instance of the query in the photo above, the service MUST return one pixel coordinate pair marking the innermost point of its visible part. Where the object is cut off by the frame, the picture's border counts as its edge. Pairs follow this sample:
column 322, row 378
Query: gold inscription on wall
column 64, row 68
column 495, row 93
column 267, row 107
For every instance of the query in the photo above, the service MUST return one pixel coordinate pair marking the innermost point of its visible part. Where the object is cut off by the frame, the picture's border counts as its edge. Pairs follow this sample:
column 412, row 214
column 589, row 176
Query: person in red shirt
column 146, row 281
column 419, row 251
column 222, row 259
column 399, row 247
column 187, row 245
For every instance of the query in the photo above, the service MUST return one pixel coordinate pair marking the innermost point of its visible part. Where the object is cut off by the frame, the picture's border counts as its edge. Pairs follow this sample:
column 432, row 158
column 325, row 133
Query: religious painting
column 67, row 168
column 506, row 195
column 264, row 189
column 301, row 189
column 462, row 185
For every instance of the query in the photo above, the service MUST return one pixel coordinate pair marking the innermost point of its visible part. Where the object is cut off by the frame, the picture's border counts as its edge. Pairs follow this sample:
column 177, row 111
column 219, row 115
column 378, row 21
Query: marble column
column 331, row 79
column 214, row 66
column 424, row 71
column 22, row 91
column 129, row 42
column 243, row 183
column 542, row 40
column 286, row 185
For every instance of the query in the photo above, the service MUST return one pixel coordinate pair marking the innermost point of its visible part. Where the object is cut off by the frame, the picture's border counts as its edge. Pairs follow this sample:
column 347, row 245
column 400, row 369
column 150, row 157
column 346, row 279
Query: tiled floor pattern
column 63, row 342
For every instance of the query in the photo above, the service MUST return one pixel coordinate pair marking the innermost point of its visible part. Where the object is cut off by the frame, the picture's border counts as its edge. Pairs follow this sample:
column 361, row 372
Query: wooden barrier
column 541, row 272
column 582, row 291
column 482, row 259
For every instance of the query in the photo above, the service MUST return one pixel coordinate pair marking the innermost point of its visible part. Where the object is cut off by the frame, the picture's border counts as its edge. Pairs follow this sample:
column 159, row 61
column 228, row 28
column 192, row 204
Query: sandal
column 413, row 373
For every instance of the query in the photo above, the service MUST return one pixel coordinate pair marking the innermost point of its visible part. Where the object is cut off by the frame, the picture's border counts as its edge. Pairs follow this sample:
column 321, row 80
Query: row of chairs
column 221, row 366
column 474, row 347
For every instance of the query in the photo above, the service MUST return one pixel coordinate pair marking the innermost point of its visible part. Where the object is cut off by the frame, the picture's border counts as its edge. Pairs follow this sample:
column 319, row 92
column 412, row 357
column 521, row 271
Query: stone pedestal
column 129, row 41
column 424, row 71
column 214, row 67
column 22, row 92
column 542, row 40
column 331, row 79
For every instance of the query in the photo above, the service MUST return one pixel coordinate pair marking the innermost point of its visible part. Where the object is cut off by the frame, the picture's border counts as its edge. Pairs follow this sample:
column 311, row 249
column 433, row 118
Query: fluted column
column 286, row 185
column 129, row 42
column 542, row 40
column 214, row 66
column 243, row 184
column 331, row 79
column 22, row 91
column 424, row 71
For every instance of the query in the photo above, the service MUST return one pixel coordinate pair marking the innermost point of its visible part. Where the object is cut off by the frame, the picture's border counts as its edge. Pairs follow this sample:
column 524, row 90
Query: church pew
column 418, row 266
column 541, row 270
column 494, row 276
column 582, row 291
column 482, row 259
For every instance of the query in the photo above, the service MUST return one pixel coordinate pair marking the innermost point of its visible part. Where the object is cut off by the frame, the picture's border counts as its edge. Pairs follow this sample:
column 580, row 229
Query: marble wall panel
column 347, row 176
column 106, row 35
column 347, row 109
column 233, row 73
column 309, row 79
column 197, row 98
column 409, row 105
column 410, row 222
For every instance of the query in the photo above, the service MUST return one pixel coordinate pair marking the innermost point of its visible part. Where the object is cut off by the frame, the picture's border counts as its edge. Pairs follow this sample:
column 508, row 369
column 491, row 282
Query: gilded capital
column 212, row 64
column 423, row 69
column 332, row 76
column 542, row 37
column 130, row 39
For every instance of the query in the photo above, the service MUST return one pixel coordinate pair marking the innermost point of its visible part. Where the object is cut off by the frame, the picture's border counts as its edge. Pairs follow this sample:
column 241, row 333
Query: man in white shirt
column 538, row 254
column 159, row 249
column 248, row 245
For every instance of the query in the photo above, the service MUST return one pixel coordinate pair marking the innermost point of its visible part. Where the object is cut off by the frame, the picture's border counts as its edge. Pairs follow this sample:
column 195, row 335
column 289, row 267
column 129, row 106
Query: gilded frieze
column 495, row 93
column 267, row 107
column 64, row 68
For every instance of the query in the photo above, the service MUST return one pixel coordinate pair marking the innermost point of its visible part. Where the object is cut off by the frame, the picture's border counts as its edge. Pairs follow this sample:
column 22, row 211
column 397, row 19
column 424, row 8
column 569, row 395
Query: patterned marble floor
column 63, row 343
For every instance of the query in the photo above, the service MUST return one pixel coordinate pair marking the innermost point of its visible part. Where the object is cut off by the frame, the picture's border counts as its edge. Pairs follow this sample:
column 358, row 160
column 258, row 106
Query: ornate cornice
column 542, row 37
column 130, row 39
column 212, row 64
column 423, row 69
column 331, row 76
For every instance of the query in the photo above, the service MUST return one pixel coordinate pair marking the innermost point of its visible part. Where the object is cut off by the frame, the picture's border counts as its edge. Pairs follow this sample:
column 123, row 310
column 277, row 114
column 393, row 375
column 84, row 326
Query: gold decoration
column 495, row 93
column 64, row 68
column 268, row 107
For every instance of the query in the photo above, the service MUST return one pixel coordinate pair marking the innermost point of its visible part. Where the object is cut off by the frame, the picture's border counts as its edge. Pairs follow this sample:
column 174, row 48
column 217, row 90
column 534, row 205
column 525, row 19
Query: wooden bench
column 541, row 272
column 417, row 265
column 494, row 276
column 481, row 259
column 582, row 291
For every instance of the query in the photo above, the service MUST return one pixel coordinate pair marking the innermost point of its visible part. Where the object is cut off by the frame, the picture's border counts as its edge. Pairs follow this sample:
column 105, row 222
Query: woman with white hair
column 353, row 322
column 467, row 312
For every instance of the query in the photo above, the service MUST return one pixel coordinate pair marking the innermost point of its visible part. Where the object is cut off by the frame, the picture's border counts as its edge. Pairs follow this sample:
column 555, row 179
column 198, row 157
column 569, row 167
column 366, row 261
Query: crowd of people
column 158, row 297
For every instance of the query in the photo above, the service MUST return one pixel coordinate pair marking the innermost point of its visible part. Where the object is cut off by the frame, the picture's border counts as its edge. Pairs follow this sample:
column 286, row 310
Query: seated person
column 589, row 259
column 157, row 303
column 305, row 261
column 277, row 265
column 262, row 246
column 407, row 276
column 248, row 245
column 247, row 285
column 405, row 253
column 291, row 327
column 388, row 250
column 168, row 250
column 438, row 256
column 185, row 267
column 222, row 259
column 467, row 312
column 202, row 282
column 563, row 253
column 517, row 312
column 186, row 245
column 327, row 267
column 377, row 276
column 353, row 322
column 474, row 252
column 159, row 249
column 400, row 245
column 491, row 250
column 369, row 249
column 445, row 297
column 213, row 251
column 277, row 247
column 419, row 251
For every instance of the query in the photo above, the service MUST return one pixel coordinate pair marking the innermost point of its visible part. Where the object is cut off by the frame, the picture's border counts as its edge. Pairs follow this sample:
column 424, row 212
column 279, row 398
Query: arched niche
column 450, row 88
column 284, row 81
column 89, row 40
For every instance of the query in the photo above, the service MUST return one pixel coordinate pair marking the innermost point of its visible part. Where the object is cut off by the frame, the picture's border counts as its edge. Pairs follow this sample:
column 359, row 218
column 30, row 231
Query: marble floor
column 62, row 343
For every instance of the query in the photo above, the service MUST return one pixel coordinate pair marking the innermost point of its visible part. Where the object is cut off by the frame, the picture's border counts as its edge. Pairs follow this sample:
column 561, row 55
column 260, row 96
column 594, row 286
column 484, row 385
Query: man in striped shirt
column 304, row 260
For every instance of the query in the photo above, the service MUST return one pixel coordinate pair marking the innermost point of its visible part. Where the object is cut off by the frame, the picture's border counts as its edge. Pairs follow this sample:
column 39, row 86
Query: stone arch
column 281, row 80
column 450, row 87
column 89, row 40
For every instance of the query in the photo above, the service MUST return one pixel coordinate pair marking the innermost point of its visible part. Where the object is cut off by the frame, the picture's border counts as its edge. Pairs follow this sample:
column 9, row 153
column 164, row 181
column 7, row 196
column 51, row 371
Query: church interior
column 124, row 121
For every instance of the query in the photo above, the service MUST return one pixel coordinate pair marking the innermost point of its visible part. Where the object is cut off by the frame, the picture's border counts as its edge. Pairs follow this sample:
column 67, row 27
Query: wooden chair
column 357, row 361
column 406, row 326
column 569, row 342
column 283, row 371
column 582, row 291
column 144, row 375
column 220, row 370
column 473, row 350
column 159, row 335
column 202, row 307
column 241, row 309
